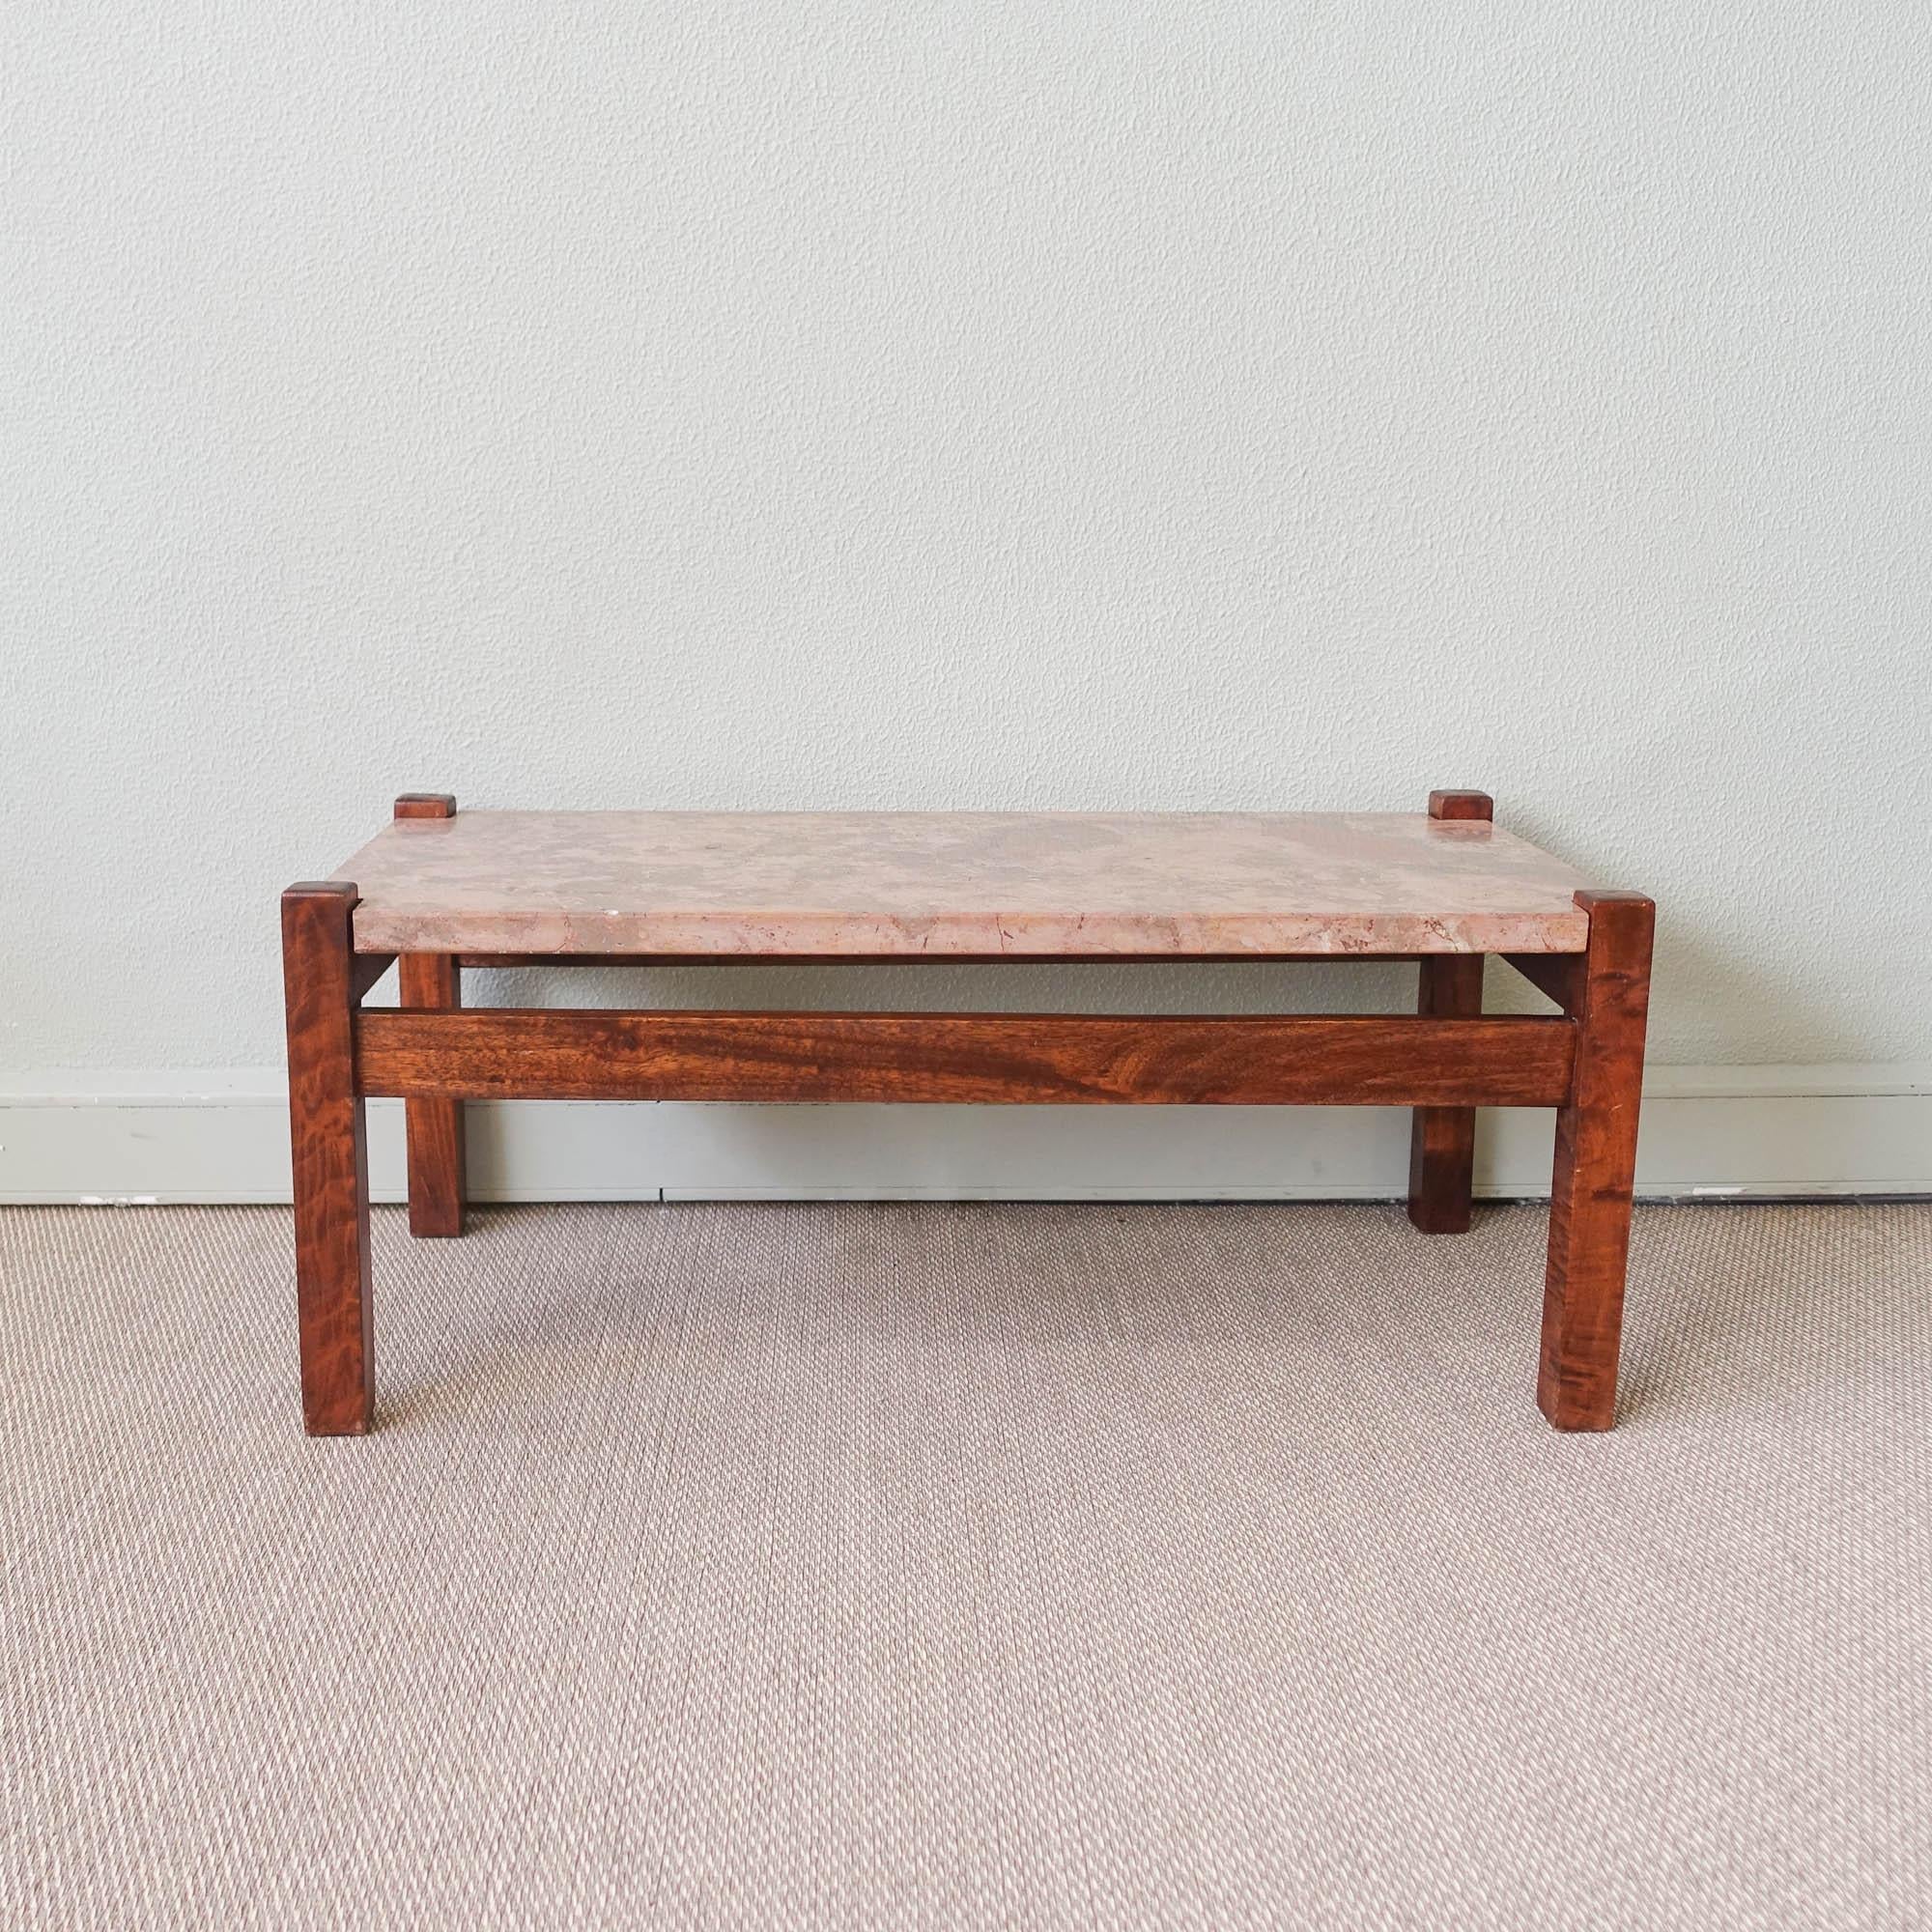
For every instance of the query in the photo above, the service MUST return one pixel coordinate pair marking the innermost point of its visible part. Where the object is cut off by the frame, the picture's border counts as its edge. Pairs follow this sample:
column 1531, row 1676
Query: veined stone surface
column 959, row 885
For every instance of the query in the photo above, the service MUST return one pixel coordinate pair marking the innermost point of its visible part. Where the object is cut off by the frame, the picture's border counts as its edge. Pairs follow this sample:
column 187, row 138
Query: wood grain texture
column 368, row 969
column 1462, row 805
column 1442, row 1140
column 1020, row 1058
column 426, row 805
column 1595, row 1166
column 330, row 1161
column 433, row 1128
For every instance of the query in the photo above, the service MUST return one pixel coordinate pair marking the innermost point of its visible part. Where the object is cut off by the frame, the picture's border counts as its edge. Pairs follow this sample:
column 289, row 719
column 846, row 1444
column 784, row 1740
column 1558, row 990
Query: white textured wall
column 771, row 405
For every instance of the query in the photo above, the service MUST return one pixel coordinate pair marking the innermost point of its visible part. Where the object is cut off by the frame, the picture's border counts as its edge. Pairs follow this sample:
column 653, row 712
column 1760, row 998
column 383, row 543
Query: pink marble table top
column 959, row 884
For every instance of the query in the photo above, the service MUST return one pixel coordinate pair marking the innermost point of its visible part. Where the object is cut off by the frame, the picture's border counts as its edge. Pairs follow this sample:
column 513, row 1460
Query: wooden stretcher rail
column 1235, row 1059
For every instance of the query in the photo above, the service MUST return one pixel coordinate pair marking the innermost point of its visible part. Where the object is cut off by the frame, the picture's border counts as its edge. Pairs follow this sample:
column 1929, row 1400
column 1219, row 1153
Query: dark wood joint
column 368, row 971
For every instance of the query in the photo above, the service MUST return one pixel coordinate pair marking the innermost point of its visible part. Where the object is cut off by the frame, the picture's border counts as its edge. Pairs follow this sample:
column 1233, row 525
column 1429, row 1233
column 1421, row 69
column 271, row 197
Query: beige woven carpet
column 967, row 1566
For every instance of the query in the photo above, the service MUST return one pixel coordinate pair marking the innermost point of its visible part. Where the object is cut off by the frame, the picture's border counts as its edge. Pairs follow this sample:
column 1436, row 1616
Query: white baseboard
column 1711, row 1131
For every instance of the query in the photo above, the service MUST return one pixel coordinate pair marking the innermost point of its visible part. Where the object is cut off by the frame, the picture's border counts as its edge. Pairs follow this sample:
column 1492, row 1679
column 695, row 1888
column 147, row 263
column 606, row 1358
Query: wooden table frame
column 1444, row 1061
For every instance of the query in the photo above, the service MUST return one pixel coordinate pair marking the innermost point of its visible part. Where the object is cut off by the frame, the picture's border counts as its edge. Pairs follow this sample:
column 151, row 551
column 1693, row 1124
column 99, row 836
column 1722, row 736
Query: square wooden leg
column 330, row 1161
column 432, row 982
column 1442, row 1140
column 1596, row 1167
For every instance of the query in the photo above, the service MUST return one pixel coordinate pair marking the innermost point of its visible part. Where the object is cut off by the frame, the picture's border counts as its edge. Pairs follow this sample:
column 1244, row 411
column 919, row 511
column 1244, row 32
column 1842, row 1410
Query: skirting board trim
column 1709, row 1132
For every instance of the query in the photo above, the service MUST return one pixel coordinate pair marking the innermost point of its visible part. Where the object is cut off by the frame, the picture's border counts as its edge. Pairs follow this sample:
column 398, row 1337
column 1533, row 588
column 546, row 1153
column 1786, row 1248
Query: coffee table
column 436, row 891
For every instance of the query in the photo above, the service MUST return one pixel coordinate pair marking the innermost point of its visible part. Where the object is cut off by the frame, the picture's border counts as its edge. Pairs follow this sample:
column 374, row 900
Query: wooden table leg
column 1595, row 1166
column 1442, row 1140
column 432, row 981
column 330, row 1161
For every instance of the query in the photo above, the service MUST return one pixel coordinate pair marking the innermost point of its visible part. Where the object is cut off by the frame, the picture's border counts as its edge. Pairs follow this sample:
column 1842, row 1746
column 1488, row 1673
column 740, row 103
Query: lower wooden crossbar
column 1232, row 1060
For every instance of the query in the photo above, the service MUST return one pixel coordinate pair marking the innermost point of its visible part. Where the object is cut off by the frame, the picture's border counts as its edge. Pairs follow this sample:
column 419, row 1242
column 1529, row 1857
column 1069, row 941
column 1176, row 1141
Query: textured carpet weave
column 966, row 1566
